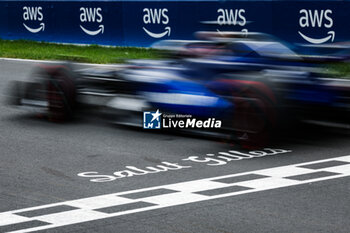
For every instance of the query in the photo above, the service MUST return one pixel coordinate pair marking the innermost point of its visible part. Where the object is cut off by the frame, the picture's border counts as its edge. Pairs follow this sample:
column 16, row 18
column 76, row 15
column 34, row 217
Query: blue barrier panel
column 140, row 23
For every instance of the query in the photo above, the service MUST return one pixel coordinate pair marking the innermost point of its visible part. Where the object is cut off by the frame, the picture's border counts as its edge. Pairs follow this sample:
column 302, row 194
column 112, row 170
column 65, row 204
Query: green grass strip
column 90, row 53
column 99, row 54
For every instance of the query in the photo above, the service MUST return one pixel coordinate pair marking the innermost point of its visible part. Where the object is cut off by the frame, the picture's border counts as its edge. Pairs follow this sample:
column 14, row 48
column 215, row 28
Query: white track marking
column 287, row 171
column 56, row 62
column 339, row 169
column 72, row 217
column 196, row 185
column 179, row 194
column 8, row 218
column 99, row 202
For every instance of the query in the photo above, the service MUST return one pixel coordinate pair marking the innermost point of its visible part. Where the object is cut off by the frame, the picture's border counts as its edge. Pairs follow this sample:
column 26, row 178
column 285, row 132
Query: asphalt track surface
column 279, row 192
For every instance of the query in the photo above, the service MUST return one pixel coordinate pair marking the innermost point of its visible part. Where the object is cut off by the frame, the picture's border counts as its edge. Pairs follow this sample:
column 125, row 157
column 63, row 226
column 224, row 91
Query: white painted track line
column 57, row 62
column 122, row 203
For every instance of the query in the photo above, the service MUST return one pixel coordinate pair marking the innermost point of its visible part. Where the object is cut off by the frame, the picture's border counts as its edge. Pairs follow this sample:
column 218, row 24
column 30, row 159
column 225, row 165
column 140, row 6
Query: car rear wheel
column 53, row 87
column 254, row 118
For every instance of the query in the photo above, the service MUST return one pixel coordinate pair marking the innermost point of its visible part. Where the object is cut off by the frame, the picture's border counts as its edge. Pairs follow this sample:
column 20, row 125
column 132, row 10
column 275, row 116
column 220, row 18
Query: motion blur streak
column 253, row 83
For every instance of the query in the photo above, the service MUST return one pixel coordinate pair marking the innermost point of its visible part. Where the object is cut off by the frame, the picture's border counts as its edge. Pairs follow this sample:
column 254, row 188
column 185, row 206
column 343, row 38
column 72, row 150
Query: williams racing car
column 252, row 84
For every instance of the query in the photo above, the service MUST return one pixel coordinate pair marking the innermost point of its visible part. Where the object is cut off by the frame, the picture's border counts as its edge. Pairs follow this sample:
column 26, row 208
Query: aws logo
column 156, row 16
column 91, row 15
column 33, row 14
column 316, row 19
column 230, row 17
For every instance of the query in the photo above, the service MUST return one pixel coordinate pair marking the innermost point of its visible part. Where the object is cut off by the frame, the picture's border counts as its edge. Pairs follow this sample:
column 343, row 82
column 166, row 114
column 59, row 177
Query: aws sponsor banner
column 312, row 22
column 72, row 22
column 141, row 23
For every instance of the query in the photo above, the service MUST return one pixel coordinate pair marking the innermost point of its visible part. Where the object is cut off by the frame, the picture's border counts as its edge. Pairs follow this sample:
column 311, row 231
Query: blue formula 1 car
column 251, row 84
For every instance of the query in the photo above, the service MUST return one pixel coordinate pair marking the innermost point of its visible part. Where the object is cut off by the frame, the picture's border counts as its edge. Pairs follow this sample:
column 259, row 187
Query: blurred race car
column 188, row 48
column 252, row 84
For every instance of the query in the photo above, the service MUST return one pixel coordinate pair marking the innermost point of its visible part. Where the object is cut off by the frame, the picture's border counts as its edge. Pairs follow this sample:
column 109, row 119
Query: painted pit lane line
column 122, row 203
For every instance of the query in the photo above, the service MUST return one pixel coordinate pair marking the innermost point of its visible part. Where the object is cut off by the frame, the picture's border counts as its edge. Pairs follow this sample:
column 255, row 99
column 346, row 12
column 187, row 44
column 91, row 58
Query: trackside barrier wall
column 140, row 23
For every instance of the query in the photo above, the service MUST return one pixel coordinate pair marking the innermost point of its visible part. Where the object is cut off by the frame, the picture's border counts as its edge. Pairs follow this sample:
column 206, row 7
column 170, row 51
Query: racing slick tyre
column 254, row 118
column 55, row 85
column 14, row 93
